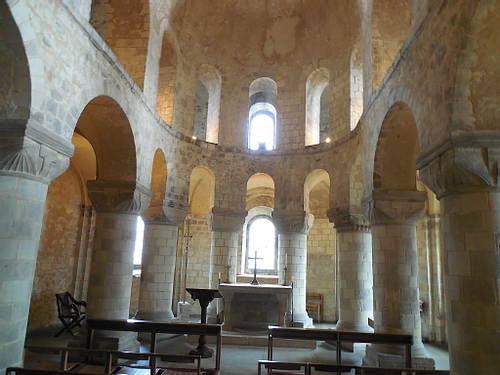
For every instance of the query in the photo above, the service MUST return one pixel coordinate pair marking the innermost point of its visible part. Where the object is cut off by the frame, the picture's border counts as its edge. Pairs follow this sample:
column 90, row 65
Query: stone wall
column 57, row 255
column 322, row 266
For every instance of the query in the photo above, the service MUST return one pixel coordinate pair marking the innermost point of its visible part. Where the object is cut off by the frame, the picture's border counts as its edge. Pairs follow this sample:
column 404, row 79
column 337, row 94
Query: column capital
column 293, row 222
column 385, row 207
column 118, row 196
column 467, row 161
column 169, row 213
column 225, row 220
column 348, row 219
column 32, row 152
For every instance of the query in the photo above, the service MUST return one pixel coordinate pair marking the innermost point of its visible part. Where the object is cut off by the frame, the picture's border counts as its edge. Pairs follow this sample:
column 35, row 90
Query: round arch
column 106, row 126
column 158, row 186
column 397, row 148
column 201, row 190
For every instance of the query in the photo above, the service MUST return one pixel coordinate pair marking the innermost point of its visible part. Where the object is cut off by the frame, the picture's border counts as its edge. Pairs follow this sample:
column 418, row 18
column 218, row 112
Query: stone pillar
column 464, row 175
column 293, row 229
column 158, row 263
column 354, row 240
column 393, row 216
column 118, row 204
column 225, row 226
column 28, row 162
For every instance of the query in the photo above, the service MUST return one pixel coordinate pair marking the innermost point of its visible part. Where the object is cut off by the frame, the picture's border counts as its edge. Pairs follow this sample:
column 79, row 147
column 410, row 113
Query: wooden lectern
column 204, row 296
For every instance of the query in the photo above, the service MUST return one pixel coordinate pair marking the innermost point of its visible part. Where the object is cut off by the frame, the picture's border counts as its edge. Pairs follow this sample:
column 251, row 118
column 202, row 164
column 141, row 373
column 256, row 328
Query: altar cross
column 255, row 281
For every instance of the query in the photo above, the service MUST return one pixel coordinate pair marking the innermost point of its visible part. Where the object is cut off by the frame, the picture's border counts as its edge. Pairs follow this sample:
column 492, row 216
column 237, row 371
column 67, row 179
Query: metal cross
column 255, row 281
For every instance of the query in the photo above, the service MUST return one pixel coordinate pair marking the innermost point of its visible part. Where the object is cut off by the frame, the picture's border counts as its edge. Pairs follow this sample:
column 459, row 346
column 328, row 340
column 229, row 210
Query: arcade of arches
column 382, row 182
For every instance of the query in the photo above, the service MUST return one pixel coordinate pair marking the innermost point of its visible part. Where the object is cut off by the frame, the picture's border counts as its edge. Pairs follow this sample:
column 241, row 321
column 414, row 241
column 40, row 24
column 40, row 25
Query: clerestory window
column 261, row 131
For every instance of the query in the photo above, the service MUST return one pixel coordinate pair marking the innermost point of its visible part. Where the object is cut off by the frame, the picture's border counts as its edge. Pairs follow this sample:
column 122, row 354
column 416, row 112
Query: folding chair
column 69, row 312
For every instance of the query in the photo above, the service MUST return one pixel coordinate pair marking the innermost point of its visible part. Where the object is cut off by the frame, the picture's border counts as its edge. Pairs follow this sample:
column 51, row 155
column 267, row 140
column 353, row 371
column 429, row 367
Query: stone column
column 354, row 240
column 28, row 162
column 158, row 263
column 118, row 204
column 225, row 226
column 463, row 173
column 293, row 228
column 393, row 216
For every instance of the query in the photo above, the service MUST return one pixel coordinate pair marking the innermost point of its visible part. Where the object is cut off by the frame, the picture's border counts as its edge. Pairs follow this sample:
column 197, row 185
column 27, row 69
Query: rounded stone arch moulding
column 404, row 94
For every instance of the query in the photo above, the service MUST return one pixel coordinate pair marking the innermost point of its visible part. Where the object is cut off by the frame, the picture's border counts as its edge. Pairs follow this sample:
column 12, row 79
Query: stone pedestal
column 393, row 216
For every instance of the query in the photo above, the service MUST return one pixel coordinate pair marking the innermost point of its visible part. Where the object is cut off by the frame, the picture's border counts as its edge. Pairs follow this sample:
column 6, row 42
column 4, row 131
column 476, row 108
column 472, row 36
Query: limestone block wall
column 134, row 296
column 430, row 279
column 322, row 266
column 57, row 258
column 198, row 262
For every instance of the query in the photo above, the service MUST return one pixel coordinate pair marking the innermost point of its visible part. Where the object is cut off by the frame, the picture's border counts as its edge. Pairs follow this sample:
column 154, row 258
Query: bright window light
column 262, row 132
column 262, row 239
column 139, row 242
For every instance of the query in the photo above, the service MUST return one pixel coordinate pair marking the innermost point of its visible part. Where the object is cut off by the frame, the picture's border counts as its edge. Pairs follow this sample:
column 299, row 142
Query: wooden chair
column 314, row 302
column 70, row 313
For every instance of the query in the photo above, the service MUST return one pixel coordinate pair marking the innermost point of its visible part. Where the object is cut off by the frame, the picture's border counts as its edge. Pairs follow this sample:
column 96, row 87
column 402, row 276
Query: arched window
column 261, row 132
column 262, row 114
column 261, row 243
column 317, row 107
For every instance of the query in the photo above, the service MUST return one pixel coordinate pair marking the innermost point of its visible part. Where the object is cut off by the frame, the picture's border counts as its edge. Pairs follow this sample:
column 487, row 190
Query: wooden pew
column 332, row 335
column 154, row 328
column 398, row 371
column 111, row 359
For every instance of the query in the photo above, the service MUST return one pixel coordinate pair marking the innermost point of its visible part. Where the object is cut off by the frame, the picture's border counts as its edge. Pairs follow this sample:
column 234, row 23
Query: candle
column 286, row 259
column 220, row 275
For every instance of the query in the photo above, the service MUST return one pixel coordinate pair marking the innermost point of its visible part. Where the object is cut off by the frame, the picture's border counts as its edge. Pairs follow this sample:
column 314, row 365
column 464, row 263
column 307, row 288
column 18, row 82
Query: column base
column 375, row 358
column 342, row 325
column 163, row 316
column 302, row 320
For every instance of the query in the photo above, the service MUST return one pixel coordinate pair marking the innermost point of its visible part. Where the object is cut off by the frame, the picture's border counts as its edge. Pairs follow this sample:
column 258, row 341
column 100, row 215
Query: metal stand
column 204, row 296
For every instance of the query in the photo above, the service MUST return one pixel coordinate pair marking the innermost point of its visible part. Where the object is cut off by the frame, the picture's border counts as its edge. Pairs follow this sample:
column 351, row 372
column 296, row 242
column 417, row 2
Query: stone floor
column 235, row 359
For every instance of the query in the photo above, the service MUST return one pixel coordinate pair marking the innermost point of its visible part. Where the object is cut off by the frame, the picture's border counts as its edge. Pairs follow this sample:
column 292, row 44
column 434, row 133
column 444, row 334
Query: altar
column 255, row 307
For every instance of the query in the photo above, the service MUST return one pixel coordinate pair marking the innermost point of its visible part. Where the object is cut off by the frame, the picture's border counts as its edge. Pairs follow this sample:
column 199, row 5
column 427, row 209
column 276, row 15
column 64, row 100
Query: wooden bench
column 398, row 371
column 111, row 363
column 332, row 335
column 154, row 328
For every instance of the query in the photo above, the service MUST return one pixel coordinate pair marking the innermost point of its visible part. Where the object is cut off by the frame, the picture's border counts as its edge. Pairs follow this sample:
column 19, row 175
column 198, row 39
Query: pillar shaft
column 110, row 283
column 29, row 159
column 293, row 229
column 355, row 299
column 22, row 204
column 158, row 262
column 393, row 216
column 225, row 226
column 118, row 204
column 471, row 232
column 157, row 272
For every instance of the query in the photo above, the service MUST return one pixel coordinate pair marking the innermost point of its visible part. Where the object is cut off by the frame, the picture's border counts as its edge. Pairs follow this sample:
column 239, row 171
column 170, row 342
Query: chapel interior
column 343, row 148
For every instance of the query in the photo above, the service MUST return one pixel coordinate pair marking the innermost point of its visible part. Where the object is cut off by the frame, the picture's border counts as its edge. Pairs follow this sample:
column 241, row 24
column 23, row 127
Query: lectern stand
column 205, row 296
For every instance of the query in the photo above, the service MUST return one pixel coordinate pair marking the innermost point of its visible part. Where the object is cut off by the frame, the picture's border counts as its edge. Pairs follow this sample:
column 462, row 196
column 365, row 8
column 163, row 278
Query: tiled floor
column 235, row 359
